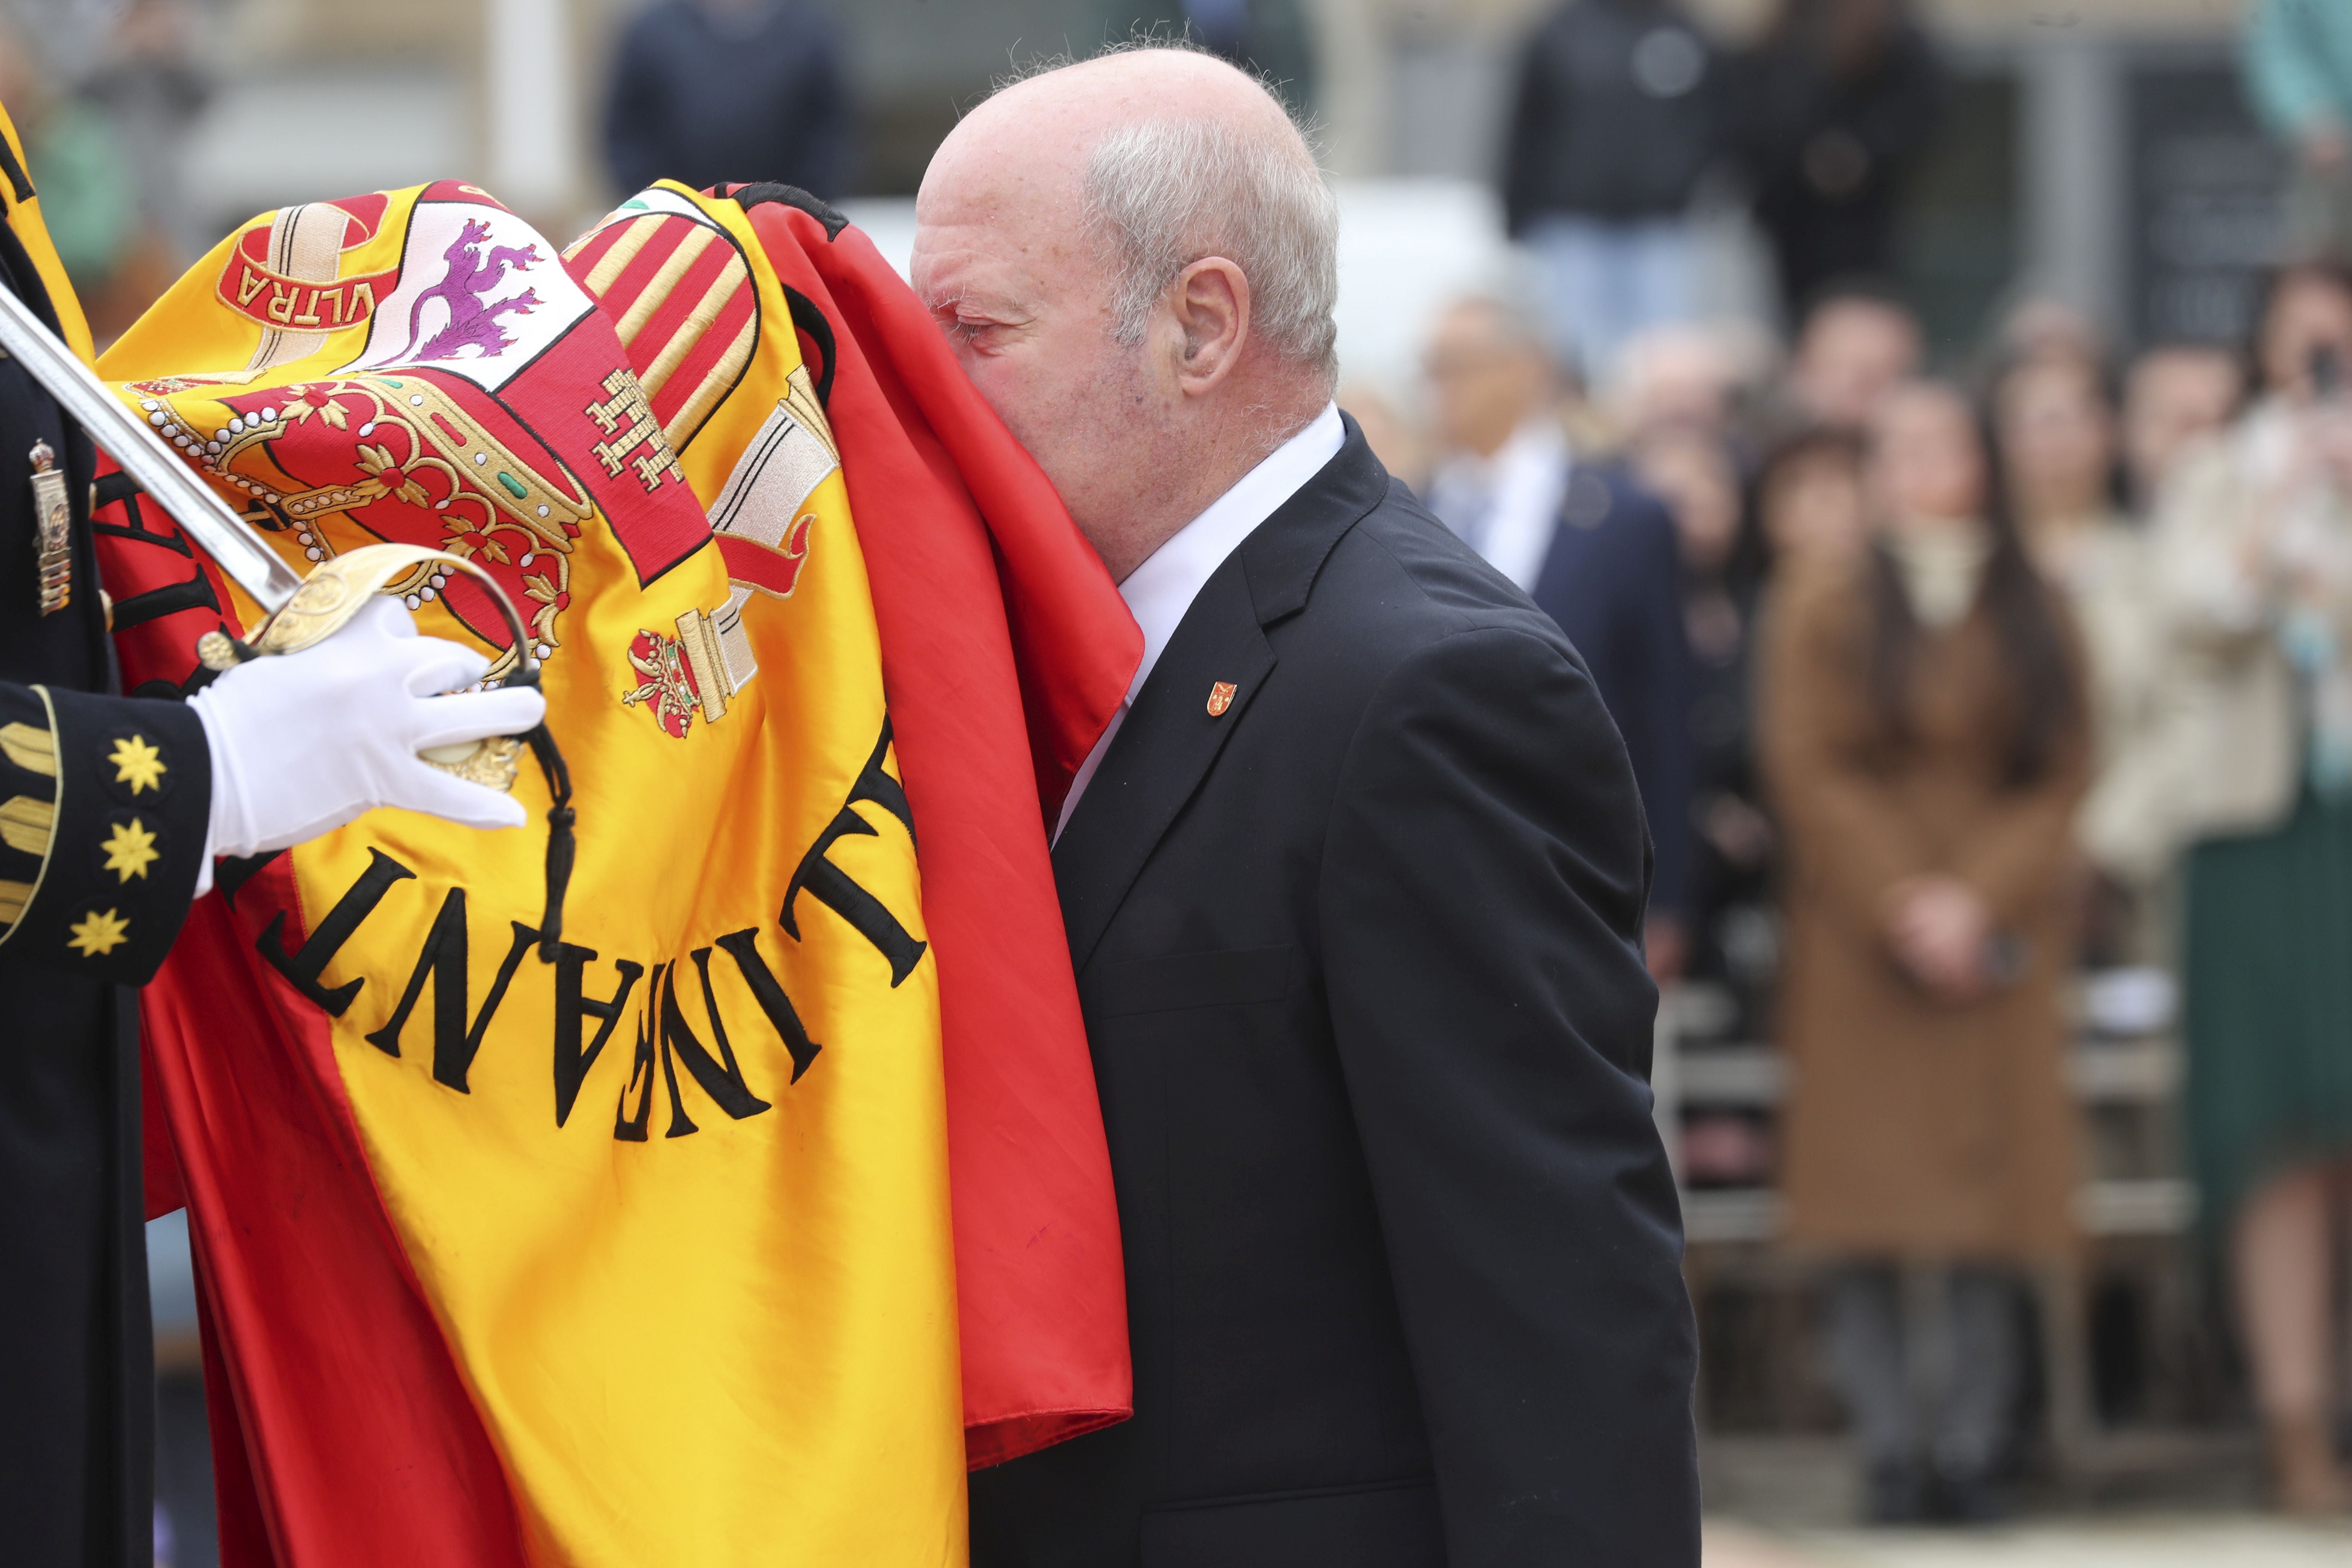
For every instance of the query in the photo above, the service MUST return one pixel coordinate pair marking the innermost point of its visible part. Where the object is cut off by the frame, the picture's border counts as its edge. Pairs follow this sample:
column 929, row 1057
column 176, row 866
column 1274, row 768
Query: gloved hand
column 304, row 742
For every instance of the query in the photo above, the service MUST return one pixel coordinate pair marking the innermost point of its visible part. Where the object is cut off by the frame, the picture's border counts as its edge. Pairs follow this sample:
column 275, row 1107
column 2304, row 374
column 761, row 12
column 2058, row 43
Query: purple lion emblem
column 464, row 289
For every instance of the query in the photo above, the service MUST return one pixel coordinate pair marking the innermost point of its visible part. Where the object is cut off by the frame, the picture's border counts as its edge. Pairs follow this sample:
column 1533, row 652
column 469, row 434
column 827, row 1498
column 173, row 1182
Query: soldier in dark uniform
column 111, row 810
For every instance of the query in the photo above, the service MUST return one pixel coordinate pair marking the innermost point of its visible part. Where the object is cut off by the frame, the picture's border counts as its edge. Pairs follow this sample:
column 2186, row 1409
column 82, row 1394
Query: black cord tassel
column 561, row 844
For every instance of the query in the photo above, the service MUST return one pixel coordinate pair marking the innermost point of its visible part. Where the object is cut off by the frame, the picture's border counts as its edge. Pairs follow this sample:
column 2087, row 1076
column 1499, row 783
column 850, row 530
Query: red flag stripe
column 396, row 1468
column 634, row 261
column 991, row 606
column 712, row 349
column 589, row 250
column 615, row 246
column 681, row 322
column 692, row 252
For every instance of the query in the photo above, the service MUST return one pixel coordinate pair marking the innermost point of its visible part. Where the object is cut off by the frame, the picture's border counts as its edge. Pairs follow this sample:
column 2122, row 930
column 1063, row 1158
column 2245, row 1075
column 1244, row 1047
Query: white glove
column 304, row 742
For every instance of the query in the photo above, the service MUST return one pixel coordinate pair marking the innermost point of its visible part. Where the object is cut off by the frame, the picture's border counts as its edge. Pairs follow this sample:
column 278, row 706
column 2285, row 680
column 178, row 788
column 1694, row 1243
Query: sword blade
column 234, row 544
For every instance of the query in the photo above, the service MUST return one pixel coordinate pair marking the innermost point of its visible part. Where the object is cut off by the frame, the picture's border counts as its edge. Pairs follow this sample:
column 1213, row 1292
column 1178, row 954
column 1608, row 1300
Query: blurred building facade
column 1404, row 86
column 2098, row 152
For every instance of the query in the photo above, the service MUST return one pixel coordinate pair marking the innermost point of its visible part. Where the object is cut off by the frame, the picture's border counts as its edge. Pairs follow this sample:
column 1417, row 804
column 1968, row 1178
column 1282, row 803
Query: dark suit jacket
column 1361, row 974
column 1613, row 579
column 763, row 99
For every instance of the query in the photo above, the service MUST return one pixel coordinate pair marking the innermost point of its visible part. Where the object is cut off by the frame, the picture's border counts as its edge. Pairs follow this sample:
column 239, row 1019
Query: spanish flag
column 697, row 1237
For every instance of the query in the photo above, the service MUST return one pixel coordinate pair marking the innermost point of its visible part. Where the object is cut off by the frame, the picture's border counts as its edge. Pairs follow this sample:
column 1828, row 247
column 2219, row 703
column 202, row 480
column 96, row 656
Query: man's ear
column 1211, row 301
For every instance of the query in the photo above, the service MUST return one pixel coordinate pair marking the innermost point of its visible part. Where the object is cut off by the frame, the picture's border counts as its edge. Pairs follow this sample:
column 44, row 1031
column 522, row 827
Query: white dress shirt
column 1158, row 592
column 1506, row 507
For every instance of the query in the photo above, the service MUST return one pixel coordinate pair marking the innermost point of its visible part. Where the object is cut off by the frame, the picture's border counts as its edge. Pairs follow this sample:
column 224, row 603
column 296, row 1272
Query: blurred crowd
column 706, row 91
column 1623, row 107
column 1945, row 678
column 1945, row 684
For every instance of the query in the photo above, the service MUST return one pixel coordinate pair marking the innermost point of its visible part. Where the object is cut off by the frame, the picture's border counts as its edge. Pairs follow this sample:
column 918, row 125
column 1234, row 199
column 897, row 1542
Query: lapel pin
column 1220, row 696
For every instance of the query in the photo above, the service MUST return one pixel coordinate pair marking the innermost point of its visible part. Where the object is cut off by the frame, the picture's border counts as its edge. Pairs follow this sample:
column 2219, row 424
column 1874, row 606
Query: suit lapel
column 1161, row 754
column 1169, row 739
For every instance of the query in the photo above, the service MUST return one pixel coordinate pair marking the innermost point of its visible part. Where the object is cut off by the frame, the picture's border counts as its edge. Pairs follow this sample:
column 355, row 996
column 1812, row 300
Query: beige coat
column 2109, row 578
column 2238, row 536
column 1914, row 1128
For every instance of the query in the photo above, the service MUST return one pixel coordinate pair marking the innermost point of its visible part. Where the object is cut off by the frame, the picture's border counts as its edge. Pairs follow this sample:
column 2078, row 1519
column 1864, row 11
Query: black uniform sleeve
column 104, row 806
column 1481, row 901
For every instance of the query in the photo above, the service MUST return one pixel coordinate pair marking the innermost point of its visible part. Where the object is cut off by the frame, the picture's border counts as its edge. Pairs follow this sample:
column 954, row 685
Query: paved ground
column 1786, row 1503
column 2144, row 1540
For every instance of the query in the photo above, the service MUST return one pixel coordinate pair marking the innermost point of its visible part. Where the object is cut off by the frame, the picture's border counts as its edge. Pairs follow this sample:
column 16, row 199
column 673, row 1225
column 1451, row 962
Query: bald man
column 1354, row 888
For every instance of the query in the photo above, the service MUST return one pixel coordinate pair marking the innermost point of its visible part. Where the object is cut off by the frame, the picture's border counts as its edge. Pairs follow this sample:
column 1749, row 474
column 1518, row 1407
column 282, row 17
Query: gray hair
column 1164, row 194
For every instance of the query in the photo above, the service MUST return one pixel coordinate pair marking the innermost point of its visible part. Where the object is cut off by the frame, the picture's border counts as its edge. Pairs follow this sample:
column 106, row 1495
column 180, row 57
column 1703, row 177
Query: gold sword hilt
column 338, row 589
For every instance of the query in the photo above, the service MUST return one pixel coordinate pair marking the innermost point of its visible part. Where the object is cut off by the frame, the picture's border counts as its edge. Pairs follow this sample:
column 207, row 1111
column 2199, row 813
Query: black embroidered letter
column 628, row 1129
column 723, row 1083
column 742, row 946
column 442, row 959
column 329, row 935
column 831, row 887
column 663, row 1030
column 571, row 1004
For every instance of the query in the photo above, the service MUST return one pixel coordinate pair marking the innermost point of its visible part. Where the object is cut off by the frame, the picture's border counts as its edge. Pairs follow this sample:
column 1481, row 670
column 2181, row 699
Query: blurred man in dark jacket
column 1595, row 550
column 706, row 91
column 1267, row 38
column 1829, row 115
column 1614, row 123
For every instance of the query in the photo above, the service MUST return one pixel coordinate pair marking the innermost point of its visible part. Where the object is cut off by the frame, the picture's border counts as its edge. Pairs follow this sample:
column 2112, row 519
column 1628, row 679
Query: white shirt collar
column 1537, row 441
column 1508, row 505
column 1158, row 592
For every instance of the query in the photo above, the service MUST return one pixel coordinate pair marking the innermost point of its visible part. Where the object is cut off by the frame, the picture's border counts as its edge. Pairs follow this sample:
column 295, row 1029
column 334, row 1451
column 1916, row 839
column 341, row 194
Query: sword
column 300, row 612
column 236, row 546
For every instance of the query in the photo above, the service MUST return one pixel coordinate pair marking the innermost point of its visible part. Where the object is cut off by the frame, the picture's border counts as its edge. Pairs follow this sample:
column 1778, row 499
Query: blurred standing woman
column 2058, row 453
column 1809, row 509
column 2254, row 543
column 1925, row 742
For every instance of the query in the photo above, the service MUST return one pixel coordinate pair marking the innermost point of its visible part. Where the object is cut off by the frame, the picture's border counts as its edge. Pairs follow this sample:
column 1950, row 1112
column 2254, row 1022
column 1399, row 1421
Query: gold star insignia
column 99, row 933
column 137, row 764
column 130, row 849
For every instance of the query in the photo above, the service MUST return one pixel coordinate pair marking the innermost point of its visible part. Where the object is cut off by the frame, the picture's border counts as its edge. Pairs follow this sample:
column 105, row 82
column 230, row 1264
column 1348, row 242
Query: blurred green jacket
column 88, row 193
column 2297, row 60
